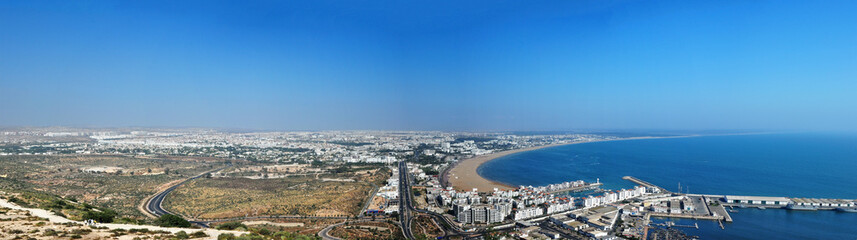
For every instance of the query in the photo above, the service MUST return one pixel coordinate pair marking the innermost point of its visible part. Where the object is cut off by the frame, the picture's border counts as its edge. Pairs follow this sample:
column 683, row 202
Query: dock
column 671, row 224
column 717, row 210
column 585, row 187
column 689, row 216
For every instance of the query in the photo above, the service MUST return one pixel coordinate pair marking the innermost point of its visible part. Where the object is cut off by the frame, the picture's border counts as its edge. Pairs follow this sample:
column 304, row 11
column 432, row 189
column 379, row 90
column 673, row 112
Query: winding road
column 154, row 205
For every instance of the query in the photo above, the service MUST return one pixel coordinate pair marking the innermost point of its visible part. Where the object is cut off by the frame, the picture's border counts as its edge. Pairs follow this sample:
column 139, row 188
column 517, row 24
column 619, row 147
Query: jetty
column 645, row 184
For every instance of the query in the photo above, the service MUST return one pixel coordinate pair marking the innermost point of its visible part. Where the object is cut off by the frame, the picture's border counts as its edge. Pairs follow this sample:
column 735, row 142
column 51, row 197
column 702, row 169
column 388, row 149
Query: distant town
column 278, row 147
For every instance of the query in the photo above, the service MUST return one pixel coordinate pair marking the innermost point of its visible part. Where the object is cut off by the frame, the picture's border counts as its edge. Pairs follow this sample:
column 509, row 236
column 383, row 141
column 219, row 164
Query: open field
column 310, row 195
column 108, row 181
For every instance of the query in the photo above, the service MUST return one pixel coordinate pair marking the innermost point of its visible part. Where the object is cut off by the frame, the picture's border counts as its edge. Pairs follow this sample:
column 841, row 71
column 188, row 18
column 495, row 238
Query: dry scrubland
column 18, row 224
column 425, row 228
column 213, row 198
column 368, row 230
column 115, row 182
column 305, row 227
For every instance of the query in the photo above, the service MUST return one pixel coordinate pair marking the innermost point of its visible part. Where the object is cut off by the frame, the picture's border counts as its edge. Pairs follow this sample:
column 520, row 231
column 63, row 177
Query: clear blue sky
column 430, row 65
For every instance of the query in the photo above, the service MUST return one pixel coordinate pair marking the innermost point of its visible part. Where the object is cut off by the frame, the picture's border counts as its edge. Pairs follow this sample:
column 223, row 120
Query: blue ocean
column 789, row 165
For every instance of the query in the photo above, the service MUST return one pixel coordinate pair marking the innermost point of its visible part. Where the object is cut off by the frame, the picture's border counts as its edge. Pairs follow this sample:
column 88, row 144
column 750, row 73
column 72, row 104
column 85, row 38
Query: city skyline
column 475, row 66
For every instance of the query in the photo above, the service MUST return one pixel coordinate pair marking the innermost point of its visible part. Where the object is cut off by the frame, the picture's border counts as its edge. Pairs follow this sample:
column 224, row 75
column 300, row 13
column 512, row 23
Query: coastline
column 463, row 176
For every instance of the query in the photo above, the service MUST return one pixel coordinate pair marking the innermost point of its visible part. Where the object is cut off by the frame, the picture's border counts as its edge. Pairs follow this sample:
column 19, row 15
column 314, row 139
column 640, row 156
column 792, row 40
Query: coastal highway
column 405, row 200
column 406, row 210
column 154, row 205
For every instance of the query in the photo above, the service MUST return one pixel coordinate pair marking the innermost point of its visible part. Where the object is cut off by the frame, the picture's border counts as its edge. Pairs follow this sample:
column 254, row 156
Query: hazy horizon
column 446, row 66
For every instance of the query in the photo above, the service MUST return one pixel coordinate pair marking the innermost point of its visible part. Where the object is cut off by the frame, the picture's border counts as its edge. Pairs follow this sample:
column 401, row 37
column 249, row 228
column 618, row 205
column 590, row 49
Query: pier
column 645, row 184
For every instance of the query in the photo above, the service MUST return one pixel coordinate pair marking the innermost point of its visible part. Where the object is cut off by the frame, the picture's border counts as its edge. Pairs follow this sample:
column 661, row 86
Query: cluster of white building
column 370, row 159
column 561, row 186
column 390, row 191
column 614, row 196
column 523, row 203
column 482, row 213
column 671, row 205
column 529, row 212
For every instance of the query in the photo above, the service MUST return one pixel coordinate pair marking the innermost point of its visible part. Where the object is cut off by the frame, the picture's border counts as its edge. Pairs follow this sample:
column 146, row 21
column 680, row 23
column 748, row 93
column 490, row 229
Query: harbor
column 714, row 207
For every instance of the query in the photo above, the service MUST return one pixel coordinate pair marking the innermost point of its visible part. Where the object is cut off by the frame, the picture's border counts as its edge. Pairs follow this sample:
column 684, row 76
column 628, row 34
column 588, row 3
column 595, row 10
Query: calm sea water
column 789, row 165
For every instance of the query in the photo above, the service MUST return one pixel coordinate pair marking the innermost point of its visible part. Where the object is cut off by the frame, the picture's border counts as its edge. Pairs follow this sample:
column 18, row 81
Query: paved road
column 154, row 205
column 406, row 211
column 369, row 201
column 405, row 200
column 324, row 233
column 405, row 208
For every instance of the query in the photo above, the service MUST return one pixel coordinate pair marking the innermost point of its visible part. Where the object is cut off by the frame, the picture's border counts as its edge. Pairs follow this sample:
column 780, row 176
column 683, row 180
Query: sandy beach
column 463, row 176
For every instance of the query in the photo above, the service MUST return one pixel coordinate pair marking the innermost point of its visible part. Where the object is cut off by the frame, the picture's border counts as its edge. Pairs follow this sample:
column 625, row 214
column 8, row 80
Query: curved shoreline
column 463, row 176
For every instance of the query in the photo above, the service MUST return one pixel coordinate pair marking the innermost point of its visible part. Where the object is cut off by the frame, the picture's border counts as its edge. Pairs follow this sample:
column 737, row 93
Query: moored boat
column 801, row 207
column 851, row 210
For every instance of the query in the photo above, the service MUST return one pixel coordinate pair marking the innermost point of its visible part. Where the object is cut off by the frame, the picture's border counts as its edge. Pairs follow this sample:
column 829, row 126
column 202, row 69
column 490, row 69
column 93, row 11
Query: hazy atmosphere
column 419, row 120
column 391, row 65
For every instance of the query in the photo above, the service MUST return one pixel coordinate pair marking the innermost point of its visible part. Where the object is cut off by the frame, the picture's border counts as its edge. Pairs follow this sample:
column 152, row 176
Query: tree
column 225, row 236
column 169, row 220
column 104, row 216
column 231, row 226
column 182, row 235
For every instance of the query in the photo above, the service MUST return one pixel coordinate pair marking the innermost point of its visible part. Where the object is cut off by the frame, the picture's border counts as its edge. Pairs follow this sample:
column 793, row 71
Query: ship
column 843, row 209
column 801, row 207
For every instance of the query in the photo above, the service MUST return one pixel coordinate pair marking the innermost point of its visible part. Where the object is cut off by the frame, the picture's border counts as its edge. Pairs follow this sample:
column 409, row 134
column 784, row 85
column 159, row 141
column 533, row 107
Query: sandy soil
column 290, row 224
column 463, row 176
column 213, row 233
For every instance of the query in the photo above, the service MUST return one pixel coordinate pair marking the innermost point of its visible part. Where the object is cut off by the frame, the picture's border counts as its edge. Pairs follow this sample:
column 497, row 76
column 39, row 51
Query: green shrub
column 198, row 234
column 262, row 231
column 104, row 216
column 181, row 235
column 231, row 226
column 225, row 236
column 170, row 220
